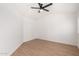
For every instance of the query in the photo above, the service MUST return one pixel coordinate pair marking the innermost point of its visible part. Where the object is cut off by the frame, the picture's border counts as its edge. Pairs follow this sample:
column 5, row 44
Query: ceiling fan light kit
column 42, row 7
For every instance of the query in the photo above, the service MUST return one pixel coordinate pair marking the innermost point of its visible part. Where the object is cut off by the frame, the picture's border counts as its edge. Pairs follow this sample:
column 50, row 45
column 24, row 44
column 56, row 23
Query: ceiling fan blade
column 40, row 5
column 35, row 8
column 47, row 5
column 46, row 10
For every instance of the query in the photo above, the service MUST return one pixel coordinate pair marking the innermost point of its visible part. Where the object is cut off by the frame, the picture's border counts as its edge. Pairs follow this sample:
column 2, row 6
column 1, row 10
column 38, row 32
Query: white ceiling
column 24, row 9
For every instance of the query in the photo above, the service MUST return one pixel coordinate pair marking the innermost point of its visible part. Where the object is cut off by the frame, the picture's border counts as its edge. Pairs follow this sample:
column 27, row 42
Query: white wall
column 28, row 17
column 78, row 32
column 10, row 29
column 78, row 28
column 60, row 25
column 27, row 29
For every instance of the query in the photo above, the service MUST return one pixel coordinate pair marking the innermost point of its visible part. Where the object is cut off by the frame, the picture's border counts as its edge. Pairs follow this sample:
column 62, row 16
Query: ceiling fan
column 41, row 7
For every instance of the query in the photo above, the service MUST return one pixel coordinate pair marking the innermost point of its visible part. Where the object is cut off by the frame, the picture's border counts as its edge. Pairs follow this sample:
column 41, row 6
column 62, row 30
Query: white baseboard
column 57, row 41
column 9, row 54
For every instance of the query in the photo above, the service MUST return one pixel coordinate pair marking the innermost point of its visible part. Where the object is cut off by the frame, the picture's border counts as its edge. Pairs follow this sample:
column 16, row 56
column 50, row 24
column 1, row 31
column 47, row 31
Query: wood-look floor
column 39, row 47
